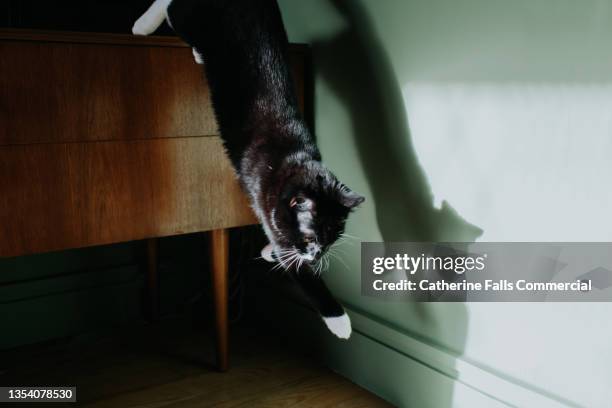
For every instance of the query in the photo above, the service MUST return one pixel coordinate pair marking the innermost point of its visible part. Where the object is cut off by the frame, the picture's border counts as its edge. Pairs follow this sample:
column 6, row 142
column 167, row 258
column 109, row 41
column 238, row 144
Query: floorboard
column 170, row 365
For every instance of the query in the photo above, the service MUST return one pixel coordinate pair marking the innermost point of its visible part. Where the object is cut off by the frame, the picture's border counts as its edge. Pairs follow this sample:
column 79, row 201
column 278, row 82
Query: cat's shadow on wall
column 356, row 68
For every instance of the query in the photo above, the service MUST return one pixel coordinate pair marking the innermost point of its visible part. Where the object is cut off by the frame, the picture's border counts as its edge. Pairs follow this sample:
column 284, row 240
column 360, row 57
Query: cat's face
column 311, row 214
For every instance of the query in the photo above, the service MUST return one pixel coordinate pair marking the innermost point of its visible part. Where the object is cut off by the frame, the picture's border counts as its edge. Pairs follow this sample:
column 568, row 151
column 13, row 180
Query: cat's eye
column 296, row 201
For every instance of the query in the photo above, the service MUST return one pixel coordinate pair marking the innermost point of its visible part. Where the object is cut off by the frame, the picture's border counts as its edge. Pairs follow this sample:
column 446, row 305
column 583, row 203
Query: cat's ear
column 348, row 198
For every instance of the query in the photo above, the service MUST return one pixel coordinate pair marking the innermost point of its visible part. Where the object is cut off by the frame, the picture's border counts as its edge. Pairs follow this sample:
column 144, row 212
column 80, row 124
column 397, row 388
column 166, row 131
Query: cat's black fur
column 301, row 204
column 244, row 45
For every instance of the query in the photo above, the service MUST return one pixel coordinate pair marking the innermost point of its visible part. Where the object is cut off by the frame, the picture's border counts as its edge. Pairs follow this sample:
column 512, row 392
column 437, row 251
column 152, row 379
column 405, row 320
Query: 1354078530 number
column 15, row 394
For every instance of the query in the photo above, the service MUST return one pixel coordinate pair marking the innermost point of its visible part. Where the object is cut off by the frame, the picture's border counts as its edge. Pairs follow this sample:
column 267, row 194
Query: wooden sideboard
column 109, row 138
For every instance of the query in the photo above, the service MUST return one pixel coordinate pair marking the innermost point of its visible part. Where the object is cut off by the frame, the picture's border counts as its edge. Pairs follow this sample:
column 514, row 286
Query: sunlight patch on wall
column 523, row 161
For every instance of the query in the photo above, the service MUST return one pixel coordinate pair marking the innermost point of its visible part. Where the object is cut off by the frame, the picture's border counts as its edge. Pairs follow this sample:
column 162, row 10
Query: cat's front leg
column 267, row 253
column 331, row 311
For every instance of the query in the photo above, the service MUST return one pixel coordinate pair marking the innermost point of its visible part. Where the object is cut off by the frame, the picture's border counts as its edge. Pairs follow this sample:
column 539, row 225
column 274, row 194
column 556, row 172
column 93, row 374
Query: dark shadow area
column 106, row 16
column 166, row 364
column 355, row 66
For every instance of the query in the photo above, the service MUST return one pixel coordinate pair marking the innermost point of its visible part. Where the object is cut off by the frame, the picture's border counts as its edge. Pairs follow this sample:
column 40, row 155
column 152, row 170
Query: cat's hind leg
column 200, row 60
column 152, row 18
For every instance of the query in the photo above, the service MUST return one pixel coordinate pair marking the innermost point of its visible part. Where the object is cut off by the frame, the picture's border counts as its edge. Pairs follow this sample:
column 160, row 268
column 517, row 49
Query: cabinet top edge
column 50, row 36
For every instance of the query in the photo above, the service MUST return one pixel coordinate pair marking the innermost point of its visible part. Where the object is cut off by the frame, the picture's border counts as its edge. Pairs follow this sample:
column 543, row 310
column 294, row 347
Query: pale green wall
column 465, row 120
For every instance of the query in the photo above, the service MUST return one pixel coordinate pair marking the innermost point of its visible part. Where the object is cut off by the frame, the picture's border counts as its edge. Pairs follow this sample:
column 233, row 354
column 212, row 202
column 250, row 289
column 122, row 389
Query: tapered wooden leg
column 219, row 243
column 152, row 281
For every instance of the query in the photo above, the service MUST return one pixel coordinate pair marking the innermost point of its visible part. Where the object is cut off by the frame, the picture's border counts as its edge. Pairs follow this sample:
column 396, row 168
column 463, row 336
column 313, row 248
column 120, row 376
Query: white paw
column 143, row 26
column 197, row 56
column 339, row 325
column 266, row 253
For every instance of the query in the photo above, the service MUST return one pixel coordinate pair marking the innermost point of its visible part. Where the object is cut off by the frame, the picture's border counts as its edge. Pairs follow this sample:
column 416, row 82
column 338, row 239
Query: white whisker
column 341, row 261
column 349, row 236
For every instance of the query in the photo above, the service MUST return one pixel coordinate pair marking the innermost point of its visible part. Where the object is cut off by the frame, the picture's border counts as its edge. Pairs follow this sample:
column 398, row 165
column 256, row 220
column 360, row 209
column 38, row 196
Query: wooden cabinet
column 107, row 138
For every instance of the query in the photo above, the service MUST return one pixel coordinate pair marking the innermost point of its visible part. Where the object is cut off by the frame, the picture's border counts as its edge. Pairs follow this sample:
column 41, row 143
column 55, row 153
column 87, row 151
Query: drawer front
column 58, row 196
column 64, row 92
column 54, row 89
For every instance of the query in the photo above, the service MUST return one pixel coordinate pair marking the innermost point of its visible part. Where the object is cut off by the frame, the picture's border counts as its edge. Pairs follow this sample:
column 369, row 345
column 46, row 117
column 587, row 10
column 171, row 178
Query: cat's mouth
column 294, row 258
column 307, row 257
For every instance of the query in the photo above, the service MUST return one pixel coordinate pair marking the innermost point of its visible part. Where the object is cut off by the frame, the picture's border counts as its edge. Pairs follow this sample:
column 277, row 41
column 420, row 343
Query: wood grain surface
column 79, row 194
column 219, row 263
column 161, row 366
column 108, row 138
column 56, row 90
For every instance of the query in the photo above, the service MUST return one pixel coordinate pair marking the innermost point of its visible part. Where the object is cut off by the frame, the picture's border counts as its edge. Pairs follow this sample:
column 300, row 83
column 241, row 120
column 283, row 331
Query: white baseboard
column 467, row 377
column 406, row 370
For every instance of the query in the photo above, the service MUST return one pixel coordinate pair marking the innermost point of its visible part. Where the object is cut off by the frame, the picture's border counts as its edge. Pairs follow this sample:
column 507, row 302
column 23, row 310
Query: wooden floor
column 162, row 366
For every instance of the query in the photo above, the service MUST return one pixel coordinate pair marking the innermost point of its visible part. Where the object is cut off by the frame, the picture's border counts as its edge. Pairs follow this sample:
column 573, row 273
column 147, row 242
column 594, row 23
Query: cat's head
column 310, row 213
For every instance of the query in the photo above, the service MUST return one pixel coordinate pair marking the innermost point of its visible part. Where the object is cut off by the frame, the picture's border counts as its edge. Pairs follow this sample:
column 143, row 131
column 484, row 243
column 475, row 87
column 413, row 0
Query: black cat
column 300, row 203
